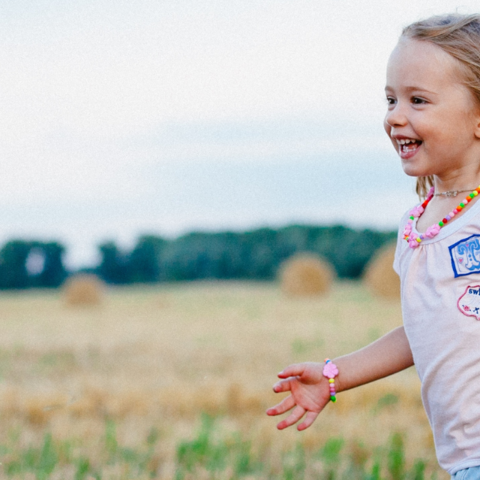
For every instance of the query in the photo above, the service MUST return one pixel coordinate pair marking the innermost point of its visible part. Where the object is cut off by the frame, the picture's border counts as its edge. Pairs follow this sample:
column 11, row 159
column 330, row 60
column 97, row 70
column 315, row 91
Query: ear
column 477, row 123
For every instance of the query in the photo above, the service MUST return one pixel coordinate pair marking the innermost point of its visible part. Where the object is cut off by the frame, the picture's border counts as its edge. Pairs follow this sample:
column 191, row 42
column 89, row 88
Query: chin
column 414, row 170
column 413, row 174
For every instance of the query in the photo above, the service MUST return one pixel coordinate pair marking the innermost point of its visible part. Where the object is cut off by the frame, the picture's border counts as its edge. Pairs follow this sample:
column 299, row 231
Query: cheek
column 388, row 131
column 387, row 127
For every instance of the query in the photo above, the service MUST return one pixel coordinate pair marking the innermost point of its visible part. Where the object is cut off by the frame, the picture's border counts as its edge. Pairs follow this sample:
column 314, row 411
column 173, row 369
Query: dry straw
column 83, row 290
column 380, row 276
column 306, row 274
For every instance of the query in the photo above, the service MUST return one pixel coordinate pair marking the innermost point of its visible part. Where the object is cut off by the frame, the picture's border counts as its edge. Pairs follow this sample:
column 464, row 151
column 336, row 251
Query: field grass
column 172, row 382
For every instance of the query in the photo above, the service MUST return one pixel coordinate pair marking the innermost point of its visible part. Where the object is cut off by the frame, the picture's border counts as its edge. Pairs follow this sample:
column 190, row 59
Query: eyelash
column 414, row 100
column 420, row 100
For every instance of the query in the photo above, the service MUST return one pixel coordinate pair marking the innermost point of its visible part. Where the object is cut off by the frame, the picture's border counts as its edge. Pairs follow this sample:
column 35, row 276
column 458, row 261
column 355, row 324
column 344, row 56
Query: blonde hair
column 459, row 36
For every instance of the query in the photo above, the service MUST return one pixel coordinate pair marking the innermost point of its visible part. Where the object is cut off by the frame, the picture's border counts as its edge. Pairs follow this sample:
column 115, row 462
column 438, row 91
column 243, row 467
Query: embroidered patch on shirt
column 465, row 256
column 469, row 302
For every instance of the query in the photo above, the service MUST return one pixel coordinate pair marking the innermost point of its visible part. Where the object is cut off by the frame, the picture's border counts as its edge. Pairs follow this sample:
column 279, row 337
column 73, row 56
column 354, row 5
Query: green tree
column 113, row 266
column 53, row 273
column 145, row 258
column 13, row 264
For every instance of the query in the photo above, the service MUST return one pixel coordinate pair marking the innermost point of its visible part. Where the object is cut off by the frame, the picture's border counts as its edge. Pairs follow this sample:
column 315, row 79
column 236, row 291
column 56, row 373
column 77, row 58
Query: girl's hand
column 309, row 389
column 309, row 393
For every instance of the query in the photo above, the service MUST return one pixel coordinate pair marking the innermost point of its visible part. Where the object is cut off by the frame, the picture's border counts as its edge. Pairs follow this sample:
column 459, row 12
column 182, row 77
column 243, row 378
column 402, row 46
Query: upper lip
column 399, row 138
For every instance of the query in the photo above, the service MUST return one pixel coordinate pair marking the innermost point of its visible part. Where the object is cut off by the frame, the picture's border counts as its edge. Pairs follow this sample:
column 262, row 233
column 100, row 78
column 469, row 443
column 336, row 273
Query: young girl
column 433, row 121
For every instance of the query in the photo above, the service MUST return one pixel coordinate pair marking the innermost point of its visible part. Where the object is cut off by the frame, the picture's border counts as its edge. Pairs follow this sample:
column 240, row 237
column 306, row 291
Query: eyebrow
column 413, row 88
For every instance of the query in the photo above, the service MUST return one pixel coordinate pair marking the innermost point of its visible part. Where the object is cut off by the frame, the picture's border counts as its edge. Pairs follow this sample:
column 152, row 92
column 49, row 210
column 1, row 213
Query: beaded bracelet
column 330, row 371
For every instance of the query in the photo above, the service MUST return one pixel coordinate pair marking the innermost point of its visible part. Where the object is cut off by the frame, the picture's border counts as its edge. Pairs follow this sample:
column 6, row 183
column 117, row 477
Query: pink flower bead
column 417, row 211
column 330, row 370
column 413, row 243
column 407, row 230
column 432, row 231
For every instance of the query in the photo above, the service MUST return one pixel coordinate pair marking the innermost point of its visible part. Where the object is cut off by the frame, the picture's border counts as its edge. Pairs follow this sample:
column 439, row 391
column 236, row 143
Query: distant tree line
column 30, row 264
column 251, row 255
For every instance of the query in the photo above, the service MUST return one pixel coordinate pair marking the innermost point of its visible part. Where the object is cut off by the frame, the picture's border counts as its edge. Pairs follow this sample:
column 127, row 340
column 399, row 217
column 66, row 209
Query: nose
column 395, row 116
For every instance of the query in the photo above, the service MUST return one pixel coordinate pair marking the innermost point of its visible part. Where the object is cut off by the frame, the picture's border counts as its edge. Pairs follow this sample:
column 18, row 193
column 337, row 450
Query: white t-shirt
column 440, row 283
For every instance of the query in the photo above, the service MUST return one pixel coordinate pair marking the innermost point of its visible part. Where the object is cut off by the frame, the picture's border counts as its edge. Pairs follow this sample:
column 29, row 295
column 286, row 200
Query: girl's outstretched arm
column 309, row 390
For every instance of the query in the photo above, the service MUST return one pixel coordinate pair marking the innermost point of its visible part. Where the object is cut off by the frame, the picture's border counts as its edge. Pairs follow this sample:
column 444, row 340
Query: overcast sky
column 119, row 118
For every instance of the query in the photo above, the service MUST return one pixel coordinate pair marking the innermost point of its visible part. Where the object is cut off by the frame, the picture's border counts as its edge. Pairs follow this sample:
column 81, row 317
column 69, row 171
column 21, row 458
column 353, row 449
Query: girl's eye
column 391, row 101
column 418, row 100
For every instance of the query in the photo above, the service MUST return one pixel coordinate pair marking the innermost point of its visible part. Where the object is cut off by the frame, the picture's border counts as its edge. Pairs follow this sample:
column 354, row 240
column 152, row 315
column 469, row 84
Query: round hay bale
column 305, row 275
column 83, row 290
column 380, row 276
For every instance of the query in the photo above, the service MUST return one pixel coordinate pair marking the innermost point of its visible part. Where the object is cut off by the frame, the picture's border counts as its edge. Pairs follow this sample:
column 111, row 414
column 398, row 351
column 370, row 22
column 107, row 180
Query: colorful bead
column 330, row 371
column 414, row 240
column 432, row 231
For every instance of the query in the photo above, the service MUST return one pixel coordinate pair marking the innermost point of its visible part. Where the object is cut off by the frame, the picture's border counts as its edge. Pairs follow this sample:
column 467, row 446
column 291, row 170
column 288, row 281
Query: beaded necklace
column 413, row 239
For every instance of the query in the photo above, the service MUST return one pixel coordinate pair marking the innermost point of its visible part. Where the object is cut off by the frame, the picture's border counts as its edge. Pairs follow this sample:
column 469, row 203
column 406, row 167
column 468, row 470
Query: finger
column 292, row 370
column 283, row 386
column 282, row 407
column 294, row 417
column 309, row 419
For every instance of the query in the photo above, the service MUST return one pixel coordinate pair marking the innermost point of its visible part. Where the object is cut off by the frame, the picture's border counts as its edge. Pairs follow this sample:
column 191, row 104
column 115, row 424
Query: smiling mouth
column 408, row 146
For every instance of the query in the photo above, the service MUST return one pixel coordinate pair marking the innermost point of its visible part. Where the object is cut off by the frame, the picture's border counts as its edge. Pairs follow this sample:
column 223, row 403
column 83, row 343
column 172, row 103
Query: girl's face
column 433, row 119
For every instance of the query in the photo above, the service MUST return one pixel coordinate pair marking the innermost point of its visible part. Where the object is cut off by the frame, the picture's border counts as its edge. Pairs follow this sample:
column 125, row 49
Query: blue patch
column 465, row 256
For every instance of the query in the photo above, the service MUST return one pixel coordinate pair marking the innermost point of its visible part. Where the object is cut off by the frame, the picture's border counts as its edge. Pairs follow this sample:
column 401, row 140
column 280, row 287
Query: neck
column 468, row 181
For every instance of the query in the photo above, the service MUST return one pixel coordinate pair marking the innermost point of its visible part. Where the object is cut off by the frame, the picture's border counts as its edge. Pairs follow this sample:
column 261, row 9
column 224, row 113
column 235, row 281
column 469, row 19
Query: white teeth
column 406, row 141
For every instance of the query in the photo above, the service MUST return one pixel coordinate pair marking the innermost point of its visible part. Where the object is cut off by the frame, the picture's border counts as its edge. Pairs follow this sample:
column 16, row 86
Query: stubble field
column 172, row 382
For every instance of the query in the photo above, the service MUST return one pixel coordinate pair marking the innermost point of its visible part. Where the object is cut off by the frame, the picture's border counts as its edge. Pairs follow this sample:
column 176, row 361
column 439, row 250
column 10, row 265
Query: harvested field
column 137, row 373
